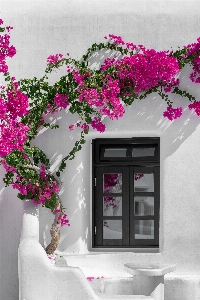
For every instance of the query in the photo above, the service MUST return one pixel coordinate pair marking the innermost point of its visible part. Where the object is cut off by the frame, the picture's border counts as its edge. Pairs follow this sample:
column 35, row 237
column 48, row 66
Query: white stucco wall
column 48, row 27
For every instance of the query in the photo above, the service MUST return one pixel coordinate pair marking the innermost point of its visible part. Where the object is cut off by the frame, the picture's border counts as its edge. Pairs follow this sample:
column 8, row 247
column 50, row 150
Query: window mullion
column 98, row 229
column 131, row 205
column 125, row 207
column 157, row 203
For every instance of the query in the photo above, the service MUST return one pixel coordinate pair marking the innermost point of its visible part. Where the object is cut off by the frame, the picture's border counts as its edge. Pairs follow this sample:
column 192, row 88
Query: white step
column 124, row 297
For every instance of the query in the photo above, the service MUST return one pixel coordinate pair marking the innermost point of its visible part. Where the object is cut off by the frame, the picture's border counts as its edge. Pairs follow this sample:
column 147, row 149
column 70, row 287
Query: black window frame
column 127, row 166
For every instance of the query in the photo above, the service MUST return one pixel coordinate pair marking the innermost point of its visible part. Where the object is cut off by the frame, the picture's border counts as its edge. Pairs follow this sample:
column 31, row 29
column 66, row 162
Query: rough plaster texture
column 48, row 27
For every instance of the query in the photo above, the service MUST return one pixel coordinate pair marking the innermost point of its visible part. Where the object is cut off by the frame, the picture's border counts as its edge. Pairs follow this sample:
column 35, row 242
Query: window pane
column 115, row 152
column 144, row 206
column 112, row 206
column 144, row 229
column 112, row 229
column 112, row 183
column 143, row 182
column 141, row 152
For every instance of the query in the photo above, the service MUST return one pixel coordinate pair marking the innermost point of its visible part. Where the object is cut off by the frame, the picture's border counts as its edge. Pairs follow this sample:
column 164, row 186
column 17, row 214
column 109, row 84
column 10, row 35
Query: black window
column 126, row 192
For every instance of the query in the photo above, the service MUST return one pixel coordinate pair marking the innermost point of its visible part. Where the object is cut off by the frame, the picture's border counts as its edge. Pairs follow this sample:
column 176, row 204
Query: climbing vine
column 132, row 74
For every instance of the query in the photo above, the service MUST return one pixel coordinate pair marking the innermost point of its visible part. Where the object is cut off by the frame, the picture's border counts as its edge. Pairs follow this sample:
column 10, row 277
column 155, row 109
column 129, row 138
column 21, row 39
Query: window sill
column 123, row 250
column 117, row 251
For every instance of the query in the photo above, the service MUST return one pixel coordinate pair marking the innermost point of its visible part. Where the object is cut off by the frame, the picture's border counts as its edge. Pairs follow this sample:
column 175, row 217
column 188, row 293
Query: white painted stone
column 149, row 269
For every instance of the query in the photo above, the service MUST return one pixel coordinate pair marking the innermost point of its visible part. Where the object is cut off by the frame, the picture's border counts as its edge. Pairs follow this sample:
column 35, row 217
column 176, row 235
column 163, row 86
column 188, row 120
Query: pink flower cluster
column 196, row 106
column 173, row 113
column 13, row 105
column 78, row 77
column 63, row 220
column 108, row 62
column 60, row 100
column 168, row 87
column 112, row 106
column 98, row 125
column 54, row 59
column 106, row 100
column 92, row 278
column 193, row 49
column 7, row 167
column 50, row 109
column 13, row 135
column 84, row 126
column 5, row 49
column 40, row 192
column 116, row 40
column 92, row 97
column 146, row 70
column 17, row 102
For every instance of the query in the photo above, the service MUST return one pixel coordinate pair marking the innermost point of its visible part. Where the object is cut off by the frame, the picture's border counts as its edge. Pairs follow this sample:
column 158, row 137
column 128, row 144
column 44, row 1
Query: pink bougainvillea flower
column 84, row 126
column 131, row 46
column 7, row 167
column 11, row 51
column 194, row 48
column 12, row 136
column 91, row 96
column 43, row 175
column 17, row 103
column 98, row 125
column 173, row 113
column 3, row 108
column 63, row 220
column 196, row 106
column 8, row 28
column 117, row 40
column 43, row 167
column 90, row 278
column 71, row 127
column 54, row 59
column 60, row 100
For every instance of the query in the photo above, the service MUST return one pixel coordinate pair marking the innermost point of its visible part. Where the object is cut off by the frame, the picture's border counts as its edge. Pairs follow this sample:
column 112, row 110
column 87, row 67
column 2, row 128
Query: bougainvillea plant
column 90, row 94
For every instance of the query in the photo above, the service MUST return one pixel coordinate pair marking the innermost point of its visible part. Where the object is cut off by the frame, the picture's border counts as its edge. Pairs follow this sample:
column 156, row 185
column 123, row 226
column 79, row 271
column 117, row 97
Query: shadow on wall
column 143, row 118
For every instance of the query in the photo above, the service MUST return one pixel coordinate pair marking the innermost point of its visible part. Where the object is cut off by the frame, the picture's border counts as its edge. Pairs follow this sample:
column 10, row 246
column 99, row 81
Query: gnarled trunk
column 55, row 229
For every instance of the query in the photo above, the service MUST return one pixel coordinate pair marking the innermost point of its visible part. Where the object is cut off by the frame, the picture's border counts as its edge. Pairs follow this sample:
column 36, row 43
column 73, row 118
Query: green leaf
column 51, row 203
column 58, row 173
column 22, row 197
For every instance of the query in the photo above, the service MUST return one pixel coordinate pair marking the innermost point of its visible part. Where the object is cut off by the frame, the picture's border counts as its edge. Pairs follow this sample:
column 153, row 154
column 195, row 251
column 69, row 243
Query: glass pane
column 144, row 206
column 112, row 183
column 112, row 206
column 144, row 229
column 112, row 229
column 141, row 152
column 143, row 182
column 115, row 152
